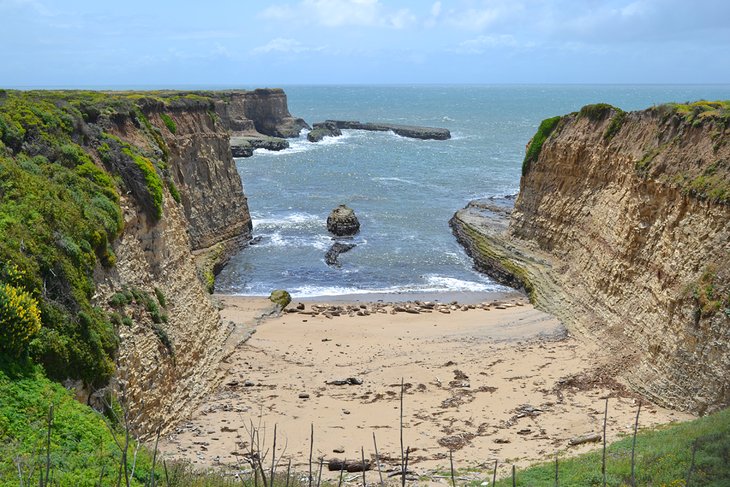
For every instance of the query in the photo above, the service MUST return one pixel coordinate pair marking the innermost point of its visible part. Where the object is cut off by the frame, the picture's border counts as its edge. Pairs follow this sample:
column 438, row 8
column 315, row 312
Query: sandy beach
column 495, row 381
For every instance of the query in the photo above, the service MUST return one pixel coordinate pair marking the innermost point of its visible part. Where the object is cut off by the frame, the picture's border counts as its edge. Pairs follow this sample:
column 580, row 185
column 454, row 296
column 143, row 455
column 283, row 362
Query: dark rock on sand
column 281, row 298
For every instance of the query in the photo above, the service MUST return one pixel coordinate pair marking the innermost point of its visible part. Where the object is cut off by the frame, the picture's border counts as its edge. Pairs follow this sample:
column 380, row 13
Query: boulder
column 280, row 297
column 343, row 222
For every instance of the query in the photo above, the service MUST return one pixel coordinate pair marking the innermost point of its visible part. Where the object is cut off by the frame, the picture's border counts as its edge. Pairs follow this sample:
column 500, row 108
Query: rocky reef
column 333, row 128
column 622, row 230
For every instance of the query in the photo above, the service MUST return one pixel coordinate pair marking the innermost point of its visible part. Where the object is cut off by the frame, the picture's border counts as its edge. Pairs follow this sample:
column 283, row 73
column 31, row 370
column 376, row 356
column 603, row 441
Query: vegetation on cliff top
column 61, row 175
column 699, row 111
column 705, row 176
column 535, row 146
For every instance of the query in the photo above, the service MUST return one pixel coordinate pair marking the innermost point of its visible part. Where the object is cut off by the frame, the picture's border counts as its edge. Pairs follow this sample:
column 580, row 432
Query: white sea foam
column 276, row 239
column 434, row 284
column 397, row 180
column 444, row 283
column 301, row 144
column 291, row 220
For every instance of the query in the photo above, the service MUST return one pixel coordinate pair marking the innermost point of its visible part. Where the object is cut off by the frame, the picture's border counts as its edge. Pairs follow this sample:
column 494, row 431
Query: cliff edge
column 622, row 230
column 116, row 208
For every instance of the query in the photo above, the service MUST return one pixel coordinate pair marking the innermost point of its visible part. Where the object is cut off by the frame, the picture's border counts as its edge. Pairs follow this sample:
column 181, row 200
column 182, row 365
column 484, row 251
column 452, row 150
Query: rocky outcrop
column 323, row 129
column 410, row 131
column 243, row 146
column 342, row 221
column 263, row 110
column 622, row 229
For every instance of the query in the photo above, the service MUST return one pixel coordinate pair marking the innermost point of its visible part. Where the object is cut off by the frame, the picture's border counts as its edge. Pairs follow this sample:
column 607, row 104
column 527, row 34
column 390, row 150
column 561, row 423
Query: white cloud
column 284, row 45
column 204, row 35
column 474, row 19
column 485, row 42
column 35, row 5
column 341, row 13
column 436, row 9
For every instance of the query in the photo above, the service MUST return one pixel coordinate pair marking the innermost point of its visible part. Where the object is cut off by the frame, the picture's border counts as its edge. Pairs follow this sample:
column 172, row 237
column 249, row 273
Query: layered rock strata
column 166, row 367
column 622, row 230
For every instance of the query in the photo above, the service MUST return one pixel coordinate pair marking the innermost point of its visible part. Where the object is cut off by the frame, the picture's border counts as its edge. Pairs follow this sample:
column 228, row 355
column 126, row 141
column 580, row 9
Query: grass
column 711, row 292
column 615, row 125
column 663, row 458
column 82, row 449
column 535, row 146
column 169, row 122
column 698, row 112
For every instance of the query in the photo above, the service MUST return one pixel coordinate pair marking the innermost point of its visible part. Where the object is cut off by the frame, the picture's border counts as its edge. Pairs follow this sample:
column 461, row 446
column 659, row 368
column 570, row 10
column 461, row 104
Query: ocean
column 403, row 190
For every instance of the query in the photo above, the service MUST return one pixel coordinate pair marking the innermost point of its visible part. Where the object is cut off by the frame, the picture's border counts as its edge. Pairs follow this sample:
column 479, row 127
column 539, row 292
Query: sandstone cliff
column 167, row 367
column 263, row 110
column 622, row 229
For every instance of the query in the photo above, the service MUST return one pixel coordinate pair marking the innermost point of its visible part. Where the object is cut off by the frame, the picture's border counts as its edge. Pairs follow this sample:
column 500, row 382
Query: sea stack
column 343, row 222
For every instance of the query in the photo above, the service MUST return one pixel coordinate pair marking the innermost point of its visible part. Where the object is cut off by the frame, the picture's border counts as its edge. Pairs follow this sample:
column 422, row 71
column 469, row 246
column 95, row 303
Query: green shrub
column 120, row 300
column 169, row 122
column 535, row 146
column 20, row 319
column 160, row 297
column 173, row 190
column 152, row 179
column 615, row 125
column 163, row 337
column 597, row 111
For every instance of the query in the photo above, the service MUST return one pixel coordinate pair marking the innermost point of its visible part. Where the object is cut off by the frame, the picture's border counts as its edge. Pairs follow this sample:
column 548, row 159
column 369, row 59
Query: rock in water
column 343, row 222
column 334, row 252
column 322, row 130
column 280, row 297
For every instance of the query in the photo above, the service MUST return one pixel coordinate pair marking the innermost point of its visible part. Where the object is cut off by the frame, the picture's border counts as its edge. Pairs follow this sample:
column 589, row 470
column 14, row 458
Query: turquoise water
column 403, row 190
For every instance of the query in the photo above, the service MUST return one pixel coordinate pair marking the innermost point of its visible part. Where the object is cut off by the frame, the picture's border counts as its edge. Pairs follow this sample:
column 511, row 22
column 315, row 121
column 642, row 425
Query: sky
column 243, row 43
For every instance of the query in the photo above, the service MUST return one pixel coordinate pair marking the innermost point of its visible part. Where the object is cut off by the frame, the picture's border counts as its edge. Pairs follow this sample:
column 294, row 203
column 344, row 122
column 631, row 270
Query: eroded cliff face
column 166, row 367
column 263, row 110
column 622, row 229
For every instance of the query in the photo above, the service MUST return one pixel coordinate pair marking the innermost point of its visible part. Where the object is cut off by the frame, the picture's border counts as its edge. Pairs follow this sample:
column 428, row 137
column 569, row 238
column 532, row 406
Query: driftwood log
column 335, row 465
column 589, row 438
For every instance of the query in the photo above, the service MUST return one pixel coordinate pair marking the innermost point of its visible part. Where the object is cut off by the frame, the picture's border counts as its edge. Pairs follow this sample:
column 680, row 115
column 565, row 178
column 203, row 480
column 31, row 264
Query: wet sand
column 509, row 384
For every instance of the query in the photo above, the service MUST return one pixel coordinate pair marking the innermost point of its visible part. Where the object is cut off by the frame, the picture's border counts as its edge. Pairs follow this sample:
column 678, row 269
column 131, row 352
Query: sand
column 507, row 384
